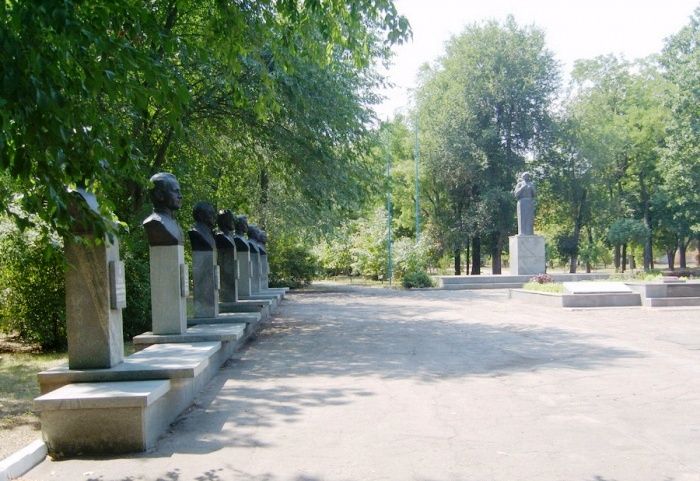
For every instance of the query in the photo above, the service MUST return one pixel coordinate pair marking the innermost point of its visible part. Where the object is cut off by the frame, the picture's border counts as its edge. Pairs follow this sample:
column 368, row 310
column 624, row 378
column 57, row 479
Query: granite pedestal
column 169, row 289
column 527, row 255
column 95, row 296
column 205, row 272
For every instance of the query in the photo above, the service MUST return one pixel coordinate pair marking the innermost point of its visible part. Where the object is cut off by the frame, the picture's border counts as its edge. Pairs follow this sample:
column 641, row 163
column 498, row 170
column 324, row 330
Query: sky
column 573, row 30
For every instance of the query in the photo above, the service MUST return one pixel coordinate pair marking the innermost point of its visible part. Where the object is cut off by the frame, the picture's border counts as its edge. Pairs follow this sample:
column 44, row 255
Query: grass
column 550, row 287
column 19, row 386
column 18, row 381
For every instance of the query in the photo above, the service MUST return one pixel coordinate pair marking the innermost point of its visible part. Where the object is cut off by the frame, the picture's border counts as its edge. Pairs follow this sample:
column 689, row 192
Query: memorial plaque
column 184, row 281
column 117, row 285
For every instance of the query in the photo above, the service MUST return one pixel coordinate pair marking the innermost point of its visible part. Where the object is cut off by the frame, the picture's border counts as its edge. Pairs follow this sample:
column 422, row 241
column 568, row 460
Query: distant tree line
column 615, row 153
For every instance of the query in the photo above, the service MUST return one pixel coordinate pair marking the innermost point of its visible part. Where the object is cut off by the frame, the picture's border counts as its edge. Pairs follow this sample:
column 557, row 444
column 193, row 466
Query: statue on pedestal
column 202, row 233
column 241, row 226
column 161, row 227
column 524, row 191
column 225, row 220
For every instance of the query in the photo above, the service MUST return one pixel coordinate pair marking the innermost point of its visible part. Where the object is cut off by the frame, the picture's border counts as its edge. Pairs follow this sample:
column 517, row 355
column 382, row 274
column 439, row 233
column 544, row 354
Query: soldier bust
column 161, row 227
column 241, row 226
column 226, row 223
column 202, row 233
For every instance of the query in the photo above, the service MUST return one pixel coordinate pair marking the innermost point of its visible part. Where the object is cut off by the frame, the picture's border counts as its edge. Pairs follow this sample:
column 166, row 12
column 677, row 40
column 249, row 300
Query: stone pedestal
column 245, row 274
column 527, row 255
column 264, row 272
column 169, row 289
column 95, row 296
column 254, row 271
column 228, row 270
column 205, row 274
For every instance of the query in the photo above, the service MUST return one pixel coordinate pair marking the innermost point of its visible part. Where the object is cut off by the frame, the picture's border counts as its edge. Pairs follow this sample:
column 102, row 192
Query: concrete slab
column 197, row 333
column 162, row 361
column 104, row 418
column 350, row 383
column 595, row 287
column 103, row 395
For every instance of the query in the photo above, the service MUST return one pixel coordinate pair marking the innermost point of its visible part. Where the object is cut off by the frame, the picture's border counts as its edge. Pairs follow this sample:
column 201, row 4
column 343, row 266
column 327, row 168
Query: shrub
column 32, row 289
column 291, row 264
column 137, row 314
column 416, row 279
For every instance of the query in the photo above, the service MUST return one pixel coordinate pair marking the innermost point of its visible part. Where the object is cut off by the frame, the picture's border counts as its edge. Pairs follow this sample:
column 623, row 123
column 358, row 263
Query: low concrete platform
column 589, row 300
column 103, row 418
column 231, row 337
column 668, row 294
column 507, row 281
column 274, row 299
column 258, row 306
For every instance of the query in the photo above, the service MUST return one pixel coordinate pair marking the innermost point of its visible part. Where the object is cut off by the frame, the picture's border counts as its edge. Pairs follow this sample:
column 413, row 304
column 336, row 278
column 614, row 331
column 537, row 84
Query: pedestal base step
column 103, row 418
column 671, row 301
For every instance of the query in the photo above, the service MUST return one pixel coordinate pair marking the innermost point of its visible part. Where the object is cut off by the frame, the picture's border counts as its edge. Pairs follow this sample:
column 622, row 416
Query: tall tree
column 679, row 161
column 485, row 106
column 96, row 93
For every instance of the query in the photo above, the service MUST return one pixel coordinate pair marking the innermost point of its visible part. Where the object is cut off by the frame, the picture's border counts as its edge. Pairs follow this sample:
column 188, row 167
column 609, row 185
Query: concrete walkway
column 362, row 384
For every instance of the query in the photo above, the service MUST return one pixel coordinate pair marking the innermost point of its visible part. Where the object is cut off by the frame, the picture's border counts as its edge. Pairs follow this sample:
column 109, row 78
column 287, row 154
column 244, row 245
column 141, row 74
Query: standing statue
column 161, row 227
column 202, row 233
column 524, row 191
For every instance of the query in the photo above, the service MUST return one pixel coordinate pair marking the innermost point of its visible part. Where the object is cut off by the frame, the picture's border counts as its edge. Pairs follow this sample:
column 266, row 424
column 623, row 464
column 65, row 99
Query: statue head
column 241, row 224
column 204, row 213
column 165, row 192
column 253, row 232
column 226, row 221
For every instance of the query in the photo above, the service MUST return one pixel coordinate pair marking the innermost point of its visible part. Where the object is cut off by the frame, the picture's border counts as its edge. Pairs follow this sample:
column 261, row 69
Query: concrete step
column 672, row 301
column 103, row 418
column 502, row 285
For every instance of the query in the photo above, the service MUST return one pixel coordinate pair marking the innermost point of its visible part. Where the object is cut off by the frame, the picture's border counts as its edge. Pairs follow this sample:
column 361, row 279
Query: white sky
column 574, row 29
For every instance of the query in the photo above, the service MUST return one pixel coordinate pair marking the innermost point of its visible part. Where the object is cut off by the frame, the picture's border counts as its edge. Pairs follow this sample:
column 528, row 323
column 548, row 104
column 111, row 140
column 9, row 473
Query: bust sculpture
column 241, row 227
column 202, row 233
column 161, row 227
column 263, row 241
column 225, row 220
column 524, row 192
column 252, row 238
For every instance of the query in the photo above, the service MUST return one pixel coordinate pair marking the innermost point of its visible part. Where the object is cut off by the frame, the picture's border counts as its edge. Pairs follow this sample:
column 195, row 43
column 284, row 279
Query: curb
column 23, row 460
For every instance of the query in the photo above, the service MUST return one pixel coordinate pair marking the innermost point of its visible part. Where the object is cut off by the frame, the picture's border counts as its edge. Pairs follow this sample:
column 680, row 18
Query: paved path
column 361, row 384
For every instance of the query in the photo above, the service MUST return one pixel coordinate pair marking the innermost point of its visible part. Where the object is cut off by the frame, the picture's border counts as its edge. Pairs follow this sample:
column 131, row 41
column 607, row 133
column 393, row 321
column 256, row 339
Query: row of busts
column 162, row 228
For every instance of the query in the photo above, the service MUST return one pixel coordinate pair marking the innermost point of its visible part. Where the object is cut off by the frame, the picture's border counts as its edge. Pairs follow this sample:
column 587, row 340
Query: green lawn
column 18, row 385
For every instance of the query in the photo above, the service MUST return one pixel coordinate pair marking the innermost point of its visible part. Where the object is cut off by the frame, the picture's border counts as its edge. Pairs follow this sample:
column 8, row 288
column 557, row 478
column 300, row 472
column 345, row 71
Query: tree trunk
column 646, row 215
column 497, row 247
column 671, row 257
column 458, row 262
column 682, row 248
column 468, row 257
column 590, row 243
column 633, row 261
column 476, row 255
column 616, row 258
column 624, row 257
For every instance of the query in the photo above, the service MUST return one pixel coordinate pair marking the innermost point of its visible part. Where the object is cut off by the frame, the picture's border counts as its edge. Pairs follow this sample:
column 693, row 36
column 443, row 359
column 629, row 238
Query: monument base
column 526, row 255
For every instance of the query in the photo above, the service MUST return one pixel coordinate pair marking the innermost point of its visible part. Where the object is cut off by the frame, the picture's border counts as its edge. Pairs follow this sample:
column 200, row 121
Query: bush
column 137, row 314
column 32, row 289
column 416, row 279
column 291, row 264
